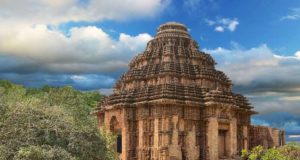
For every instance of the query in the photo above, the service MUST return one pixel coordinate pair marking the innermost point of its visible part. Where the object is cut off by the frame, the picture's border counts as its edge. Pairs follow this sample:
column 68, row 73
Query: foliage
column 256, row 153
column 43, row 153
column 110, row 139
column 43, row 123
column 290, row 151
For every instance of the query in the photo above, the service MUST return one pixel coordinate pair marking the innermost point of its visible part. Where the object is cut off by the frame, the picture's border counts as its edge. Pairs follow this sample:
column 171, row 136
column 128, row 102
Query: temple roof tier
column 172, row 68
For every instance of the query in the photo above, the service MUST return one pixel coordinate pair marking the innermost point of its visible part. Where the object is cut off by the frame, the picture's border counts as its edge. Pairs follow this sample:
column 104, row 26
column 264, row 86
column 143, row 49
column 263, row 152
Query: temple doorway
column 119, row 143
column 222, row 143
column 115, row 128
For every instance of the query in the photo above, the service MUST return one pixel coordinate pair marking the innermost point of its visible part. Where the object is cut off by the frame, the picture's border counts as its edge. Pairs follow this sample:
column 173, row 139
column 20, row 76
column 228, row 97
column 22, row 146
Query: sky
column 88, row 44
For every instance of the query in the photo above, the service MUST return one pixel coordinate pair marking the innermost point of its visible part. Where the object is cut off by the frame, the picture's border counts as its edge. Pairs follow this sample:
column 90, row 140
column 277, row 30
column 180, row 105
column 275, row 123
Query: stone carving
column 173, row 104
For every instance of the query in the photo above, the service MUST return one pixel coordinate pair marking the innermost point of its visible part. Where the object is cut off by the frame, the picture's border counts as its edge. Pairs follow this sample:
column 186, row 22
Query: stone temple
column 172, row 104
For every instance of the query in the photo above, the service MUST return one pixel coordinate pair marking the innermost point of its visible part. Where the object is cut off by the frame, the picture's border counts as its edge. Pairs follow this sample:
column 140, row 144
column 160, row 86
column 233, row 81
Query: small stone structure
column 266, row 136
column 172, row 104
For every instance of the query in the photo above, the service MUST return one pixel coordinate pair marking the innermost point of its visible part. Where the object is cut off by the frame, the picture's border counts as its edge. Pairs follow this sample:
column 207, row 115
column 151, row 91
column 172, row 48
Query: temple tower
column 172, row 104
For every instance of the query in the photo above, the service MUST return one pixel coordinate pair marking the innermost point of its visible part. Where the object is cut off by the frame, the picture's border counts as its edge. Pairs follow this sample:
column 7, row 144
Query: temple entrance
column 183, row 155
column 116, row 130
column 222, row 143
column 119, row 143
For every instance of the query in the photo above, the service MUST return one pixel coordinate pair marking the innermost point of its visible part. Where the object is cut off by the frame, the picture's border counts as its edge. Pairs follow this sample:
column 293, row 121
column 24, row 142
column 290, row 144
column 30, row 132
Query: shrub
column 290, row 151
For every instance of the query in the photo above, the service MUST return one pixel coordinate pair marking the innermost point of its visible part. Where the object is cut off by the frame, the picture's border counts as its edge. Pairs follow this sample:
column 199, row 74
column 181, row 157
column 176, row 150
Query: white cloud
column 134, row 43
column 293, row 15
column 219, row 29
column 30, row 48
column 27, row 39
column 236, row 62
column 221, row 24
column 86, row 49
column 266, row 105
column 294, row 136
column 57, row 11
column 291, row 98
column 91, row 81
column 77, row 77
column 232, row 25
column 191, row 5
column 268, row 80
column 297, row 54
column 210, row 22
column 245, row 66
column 106, row 91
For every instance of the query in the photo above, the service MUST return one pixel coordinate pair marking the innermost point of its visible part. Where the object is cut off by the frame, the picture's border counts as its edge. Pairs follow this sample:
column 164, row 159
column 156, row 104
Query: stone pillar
column 232, row 139
column 282, row 138
column 212, row 138
column 125, row 136
column 276, row 137
column 192, row 149
column 141, row 137
column 155, row 139
column 164, row 128
column 246, row 138
column 174, row 148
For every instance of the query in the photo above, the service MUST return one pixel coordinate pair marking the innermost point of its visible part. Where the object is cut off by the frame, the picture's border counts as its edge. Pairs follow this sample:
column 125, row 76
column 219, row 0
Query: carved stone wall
column 172, row 104
column 266, row 136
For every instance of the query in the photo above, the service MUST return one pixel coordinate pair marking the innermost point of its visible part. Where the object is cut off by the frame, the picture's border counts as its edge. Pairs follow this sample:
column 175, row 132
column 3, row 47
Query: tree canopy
column 50, row 122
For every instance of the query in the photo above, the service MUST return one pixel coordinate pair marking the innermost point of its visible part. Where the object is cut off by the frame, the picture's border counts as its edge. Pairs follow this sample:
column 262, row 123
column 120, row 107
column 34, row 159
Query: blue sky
column 88, row 44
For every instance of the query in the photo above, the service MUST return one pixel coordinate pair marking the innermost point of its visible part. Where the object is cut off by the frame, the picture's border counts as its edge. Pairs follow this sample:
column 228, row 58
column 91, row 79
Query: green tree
column 43, row 153
column 50, row 121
